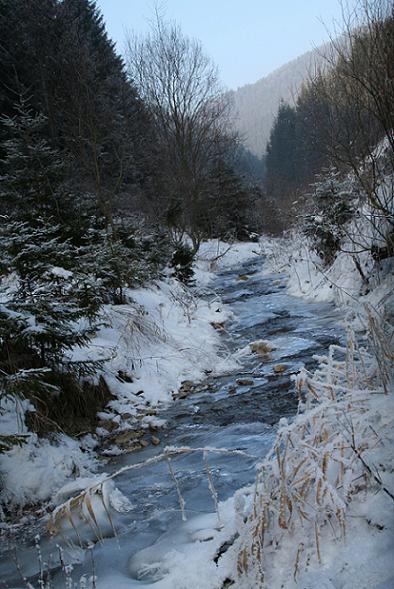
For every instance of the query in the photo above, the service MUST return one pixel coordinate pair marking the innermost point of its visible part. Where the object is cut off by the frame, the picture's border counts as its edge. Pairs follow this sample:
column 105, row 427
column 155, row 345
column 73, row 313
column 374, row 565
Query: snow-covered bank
column 167, row 335
column 314, row 497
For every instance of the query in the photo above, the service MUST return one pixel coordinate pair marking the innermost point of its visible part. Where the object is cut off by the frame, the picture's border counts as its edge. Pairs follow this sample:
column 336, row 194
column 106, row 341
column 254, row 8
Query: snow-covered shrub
column 182, row 263
column 333, row 202
column 126, row 257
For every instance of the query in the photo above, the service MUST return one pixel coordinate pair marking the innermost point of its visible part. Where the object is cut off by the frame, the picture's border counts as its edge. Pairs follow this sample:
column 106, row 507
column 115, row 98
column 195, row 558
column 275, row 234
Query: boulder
column 244, row 382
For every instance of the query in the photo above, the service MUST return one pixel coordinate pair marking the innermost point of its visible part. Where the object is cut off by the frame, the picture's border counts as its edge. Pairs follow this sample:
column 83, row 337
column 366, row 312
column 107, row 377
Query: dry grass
column 317, row 464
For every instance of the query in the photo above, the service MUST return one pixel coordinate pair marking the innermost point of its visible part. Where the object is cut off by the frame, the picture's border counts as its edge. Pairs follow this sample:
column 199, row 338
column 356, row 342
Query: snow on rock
column 34, row 472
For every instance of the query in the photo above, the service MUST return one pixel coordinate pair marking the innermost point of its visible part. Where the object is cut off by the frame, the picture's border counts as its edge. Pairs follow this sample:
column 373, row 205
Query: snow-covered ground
column 165, row 336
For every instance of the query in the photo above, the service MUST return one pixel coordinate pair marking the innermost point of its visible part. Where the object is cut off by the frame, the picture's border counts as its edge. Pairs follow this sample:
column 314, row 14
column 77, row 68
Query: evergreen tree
column 61, row 52
column 281, row 168
column 229, row 205
column 333, row 202
column 182, row 264
column 41, row 312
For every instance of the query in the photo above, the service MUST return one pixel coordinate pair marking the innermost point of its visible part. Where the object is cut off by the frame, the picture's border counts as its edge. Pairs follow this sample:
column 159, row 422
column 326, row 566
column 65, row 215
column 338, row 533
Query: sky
column 247, row 39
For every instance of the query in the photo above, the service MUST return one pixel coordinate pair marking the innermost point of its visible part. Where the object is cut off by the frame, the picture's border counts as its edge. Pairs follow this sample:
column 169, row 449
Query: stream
column 235, row 411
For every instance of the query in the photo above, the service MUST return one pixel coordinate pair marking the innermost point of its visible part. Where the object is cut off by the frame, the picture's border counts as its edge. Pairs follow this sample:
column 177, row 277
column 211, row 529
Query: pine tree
column 281, row 166
column 126, row 257
column 62, row 53
column 48, row 296
column 230, row 203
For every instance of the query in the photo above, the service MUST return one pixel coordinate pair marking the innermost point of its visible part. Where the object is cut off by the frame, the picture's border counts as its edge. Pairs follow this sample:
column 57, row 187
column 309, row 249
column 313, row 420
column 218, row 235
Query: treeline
column 342, row 113
column 100, row 184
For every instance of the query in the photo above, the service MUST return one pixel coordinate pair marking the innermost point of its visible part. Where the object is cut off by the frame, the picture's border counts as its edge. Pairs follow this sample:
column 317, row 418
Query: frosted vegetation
column 196, row 359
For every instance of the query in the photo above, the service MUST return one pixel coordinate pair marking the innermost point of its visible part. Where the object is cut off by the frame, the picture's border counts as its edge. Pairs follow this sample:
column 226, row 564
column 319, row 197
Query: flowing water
column 236, row 411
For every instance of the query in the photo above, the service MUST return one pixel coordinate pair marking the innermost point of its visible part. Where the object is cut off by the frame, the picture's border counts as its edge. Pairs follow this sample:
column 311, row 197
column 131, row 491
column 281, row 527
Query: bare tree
column 361, row 94
column 356, row 125
column 180, row 86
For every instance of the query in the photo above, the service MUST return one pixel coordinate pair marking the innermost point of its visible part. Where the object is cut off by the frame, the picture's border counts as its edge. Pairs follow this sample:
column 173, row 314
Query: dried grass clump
column 318, row 462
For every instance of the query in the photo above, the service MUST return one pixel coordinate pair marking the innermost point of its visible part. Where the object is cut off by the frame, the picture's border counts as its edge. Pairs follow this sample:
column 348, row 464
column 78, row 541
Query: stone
column 261, row 347
column 218, row 326
column 126, row 436
column 107, row 424
column 144, row 443
column 123, row 376
column 243, row 277
column 155, row 440
column 148, row 412
column 187, row 385
column 244, row 382
column 279, row 368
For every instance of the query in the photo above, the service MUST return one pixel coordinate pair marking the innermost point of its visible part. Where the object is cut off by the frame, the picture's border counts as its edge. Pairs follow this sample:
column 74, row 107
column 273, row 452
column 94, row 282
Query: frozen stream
column 225, row 415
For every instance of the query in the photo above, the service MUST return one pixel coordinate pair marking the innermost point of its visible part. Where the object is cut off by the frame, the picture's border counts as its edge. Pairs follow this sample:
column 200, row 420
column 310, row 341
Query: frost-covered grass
column 165, row 336
column 320, row 511
column 324, row 496
column 320, row 514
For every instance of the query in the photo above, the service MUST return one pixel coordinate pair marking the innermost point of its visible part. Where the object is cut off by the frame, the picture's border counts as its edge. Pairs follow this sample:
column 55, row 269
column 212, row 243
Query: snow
column 215, row 256
column 34, row 472
column 359, row 554
column 353, row 512
column 60, row 272
column 164, row 337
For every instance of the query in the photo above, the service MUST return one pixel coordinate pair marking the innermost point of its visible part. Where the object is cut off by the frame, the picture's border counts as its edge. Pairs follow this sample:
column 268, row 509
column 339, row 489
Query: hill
column 255, row 105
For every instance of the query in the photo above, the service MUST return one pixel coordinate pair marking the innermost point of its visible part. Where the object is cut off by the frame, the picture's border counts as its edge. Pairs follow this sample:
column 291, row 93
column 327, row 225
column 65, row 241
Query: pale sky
column 247, row 39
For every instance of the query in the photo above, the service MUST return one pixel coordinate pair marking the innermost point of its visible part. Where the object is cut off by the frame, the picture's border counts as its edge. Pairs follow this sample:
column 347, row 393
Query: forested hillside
column 255, row 105
column 324, row 152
